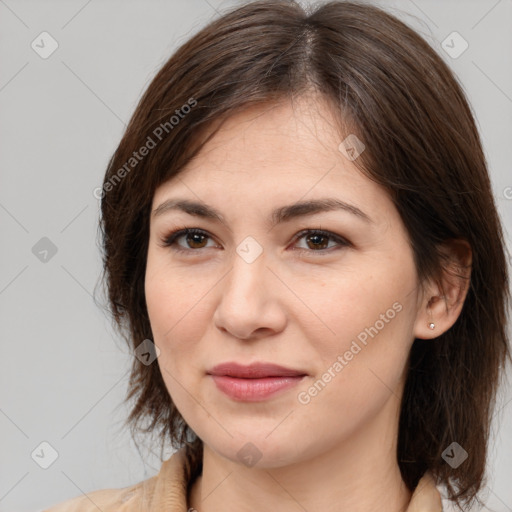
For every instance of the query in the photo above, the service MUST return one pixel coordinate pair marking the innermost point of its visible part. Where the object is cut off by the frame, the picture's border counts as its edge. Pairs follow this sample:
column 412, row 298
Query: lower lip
column 254, row 390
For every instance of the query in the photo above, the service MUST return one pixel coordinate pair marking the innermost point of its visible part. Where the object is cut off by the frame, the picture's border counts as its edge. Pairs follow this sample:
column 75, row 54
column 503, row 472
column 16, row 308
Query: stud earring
column 431, row 325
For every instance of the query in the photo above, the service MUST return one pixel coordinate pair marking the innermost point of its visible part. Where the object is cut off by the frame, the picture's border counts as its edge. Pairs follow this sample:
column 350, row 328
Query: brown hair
column 391, row 89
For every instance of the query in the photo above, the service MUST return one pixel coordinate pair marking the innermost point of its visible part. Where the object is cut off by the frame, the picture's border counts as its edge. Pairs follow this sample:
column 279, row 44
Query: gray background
column 63, row 372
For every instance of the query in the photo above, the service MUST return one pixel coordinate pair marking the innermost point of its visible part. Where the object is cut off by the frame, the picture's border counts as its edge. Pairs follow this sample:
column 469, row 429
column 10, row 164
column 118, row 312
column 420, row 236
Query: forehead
column 274, row 153
column 298, row 130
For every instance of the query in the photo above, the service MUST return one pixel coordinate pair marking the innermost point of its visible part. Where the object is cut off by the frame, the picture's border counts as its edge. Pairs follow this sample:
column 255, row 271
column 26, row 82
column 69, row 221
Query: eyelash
column 170, row 239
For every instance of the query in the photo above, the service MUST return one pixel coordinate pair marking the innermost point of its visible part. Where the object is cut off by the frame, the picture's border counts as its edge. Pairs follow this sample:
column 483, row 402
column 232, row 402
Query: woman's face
column 340, row 307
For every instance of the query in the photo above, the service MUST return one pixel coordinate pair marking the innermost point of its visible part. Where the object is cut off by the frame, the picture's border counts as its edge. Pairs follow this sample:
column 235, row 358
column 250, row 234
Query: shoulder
column 108, row 499
column 168, row 486
column 426, row 496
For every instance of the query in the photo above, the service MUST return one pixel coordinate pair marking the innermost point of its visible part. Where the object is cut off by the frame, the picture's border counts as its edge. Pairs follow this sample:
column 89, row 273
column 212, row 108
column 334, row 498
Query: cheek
column 170, row 295
column 344, row 301
column 176, row 326
column 361, row 365
column 365, row 315
column 178, row 310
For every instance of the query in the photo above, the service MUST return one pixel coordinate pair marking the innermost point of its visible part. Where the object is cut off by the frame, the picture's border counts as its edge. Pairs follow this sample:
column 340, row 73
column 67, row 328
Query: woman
column 302, row 249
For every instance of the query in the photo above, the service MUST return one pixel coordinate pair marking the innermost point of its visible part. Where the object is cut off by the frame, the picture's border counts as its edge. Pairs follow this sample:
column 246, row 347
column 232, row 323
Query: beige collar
column 172, row 486
column 167, row 492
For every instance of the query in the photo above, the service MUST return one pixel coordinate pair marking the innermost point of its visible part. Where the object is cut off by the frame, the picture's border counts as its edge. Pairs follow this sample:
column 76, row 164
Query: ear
column 444, row 297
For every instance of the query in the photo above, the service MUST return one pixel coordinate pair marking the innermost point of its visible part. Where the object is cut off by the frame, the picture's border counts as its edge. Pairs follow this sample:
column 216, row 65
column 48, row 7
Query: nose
column 251, row 300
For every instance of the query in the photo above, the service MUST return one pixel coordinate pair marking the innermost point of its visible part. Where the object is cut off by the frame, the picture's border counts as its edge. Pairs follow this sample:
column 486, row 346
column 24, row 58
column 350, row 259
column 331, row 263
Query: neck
column 360, row 474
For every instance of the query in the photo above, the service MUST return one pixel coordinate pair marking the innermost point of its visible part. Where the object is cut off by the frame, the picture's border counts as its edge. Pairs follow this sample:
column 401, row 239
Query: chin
column 259, row 450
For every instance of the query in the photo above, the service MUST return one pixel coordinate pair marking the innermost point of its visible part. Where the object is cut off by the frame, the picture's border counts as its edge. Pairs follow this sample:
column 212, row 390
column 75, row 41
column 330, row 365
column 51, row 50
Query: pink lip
column 254, row 390
column 255, row 382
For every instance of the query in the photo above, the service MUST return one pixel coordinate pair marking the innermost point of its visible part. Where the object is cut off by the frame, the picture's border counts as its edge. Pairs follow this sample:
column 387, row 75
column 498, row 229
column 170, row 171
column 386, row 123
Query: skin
column 298, row 309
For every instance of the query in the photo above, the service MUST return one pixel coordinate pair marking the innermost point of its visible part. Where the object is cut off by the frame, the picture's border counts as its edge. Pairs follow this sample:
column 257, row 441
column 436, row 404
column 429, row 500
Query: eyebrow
column 279, row 215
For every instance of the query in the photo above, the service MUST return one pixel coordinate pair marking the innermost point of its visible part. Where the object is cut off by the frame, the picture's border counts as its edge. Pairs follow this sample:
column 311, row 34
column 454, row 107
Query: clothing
column 167, row 492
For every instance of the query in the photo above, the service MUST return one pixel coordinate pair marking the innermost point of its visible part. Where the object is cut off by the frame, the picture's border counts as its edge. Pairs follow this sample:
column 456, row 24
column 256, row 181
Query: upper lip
column 254, row 370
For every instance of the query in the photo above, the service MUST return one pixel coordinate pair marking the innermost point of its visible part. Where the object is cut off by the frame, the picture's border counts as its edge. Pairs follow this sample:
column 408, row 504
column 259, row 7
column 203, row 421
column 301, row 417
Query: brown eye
column 194, row 239
column 318, row 241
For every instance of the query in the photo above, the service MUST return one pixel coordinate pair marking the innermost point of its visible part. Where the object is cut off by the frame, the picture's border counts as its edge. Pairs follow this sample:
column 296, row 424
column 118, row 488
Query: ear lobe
column 444, row 297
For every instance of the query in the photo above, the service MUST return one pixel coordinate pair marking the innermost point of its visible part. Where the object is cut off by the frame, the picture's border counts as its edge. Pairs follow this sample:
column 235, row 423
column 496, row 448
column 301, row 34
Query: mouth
column 256, row 382
column 254, row 370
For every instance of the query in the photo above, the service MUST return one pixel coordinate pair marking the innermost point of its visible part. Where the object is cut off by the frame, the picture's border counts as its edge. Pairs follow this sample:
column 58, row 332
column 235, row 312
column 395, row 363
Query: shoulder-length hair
column 387, row 86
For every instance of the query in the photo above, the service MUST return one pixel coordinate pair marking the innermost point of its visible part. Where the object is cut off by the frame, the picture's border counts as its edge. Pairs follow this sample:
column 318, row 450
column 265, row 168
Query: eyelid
column 170, row 239
column 340, row 241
